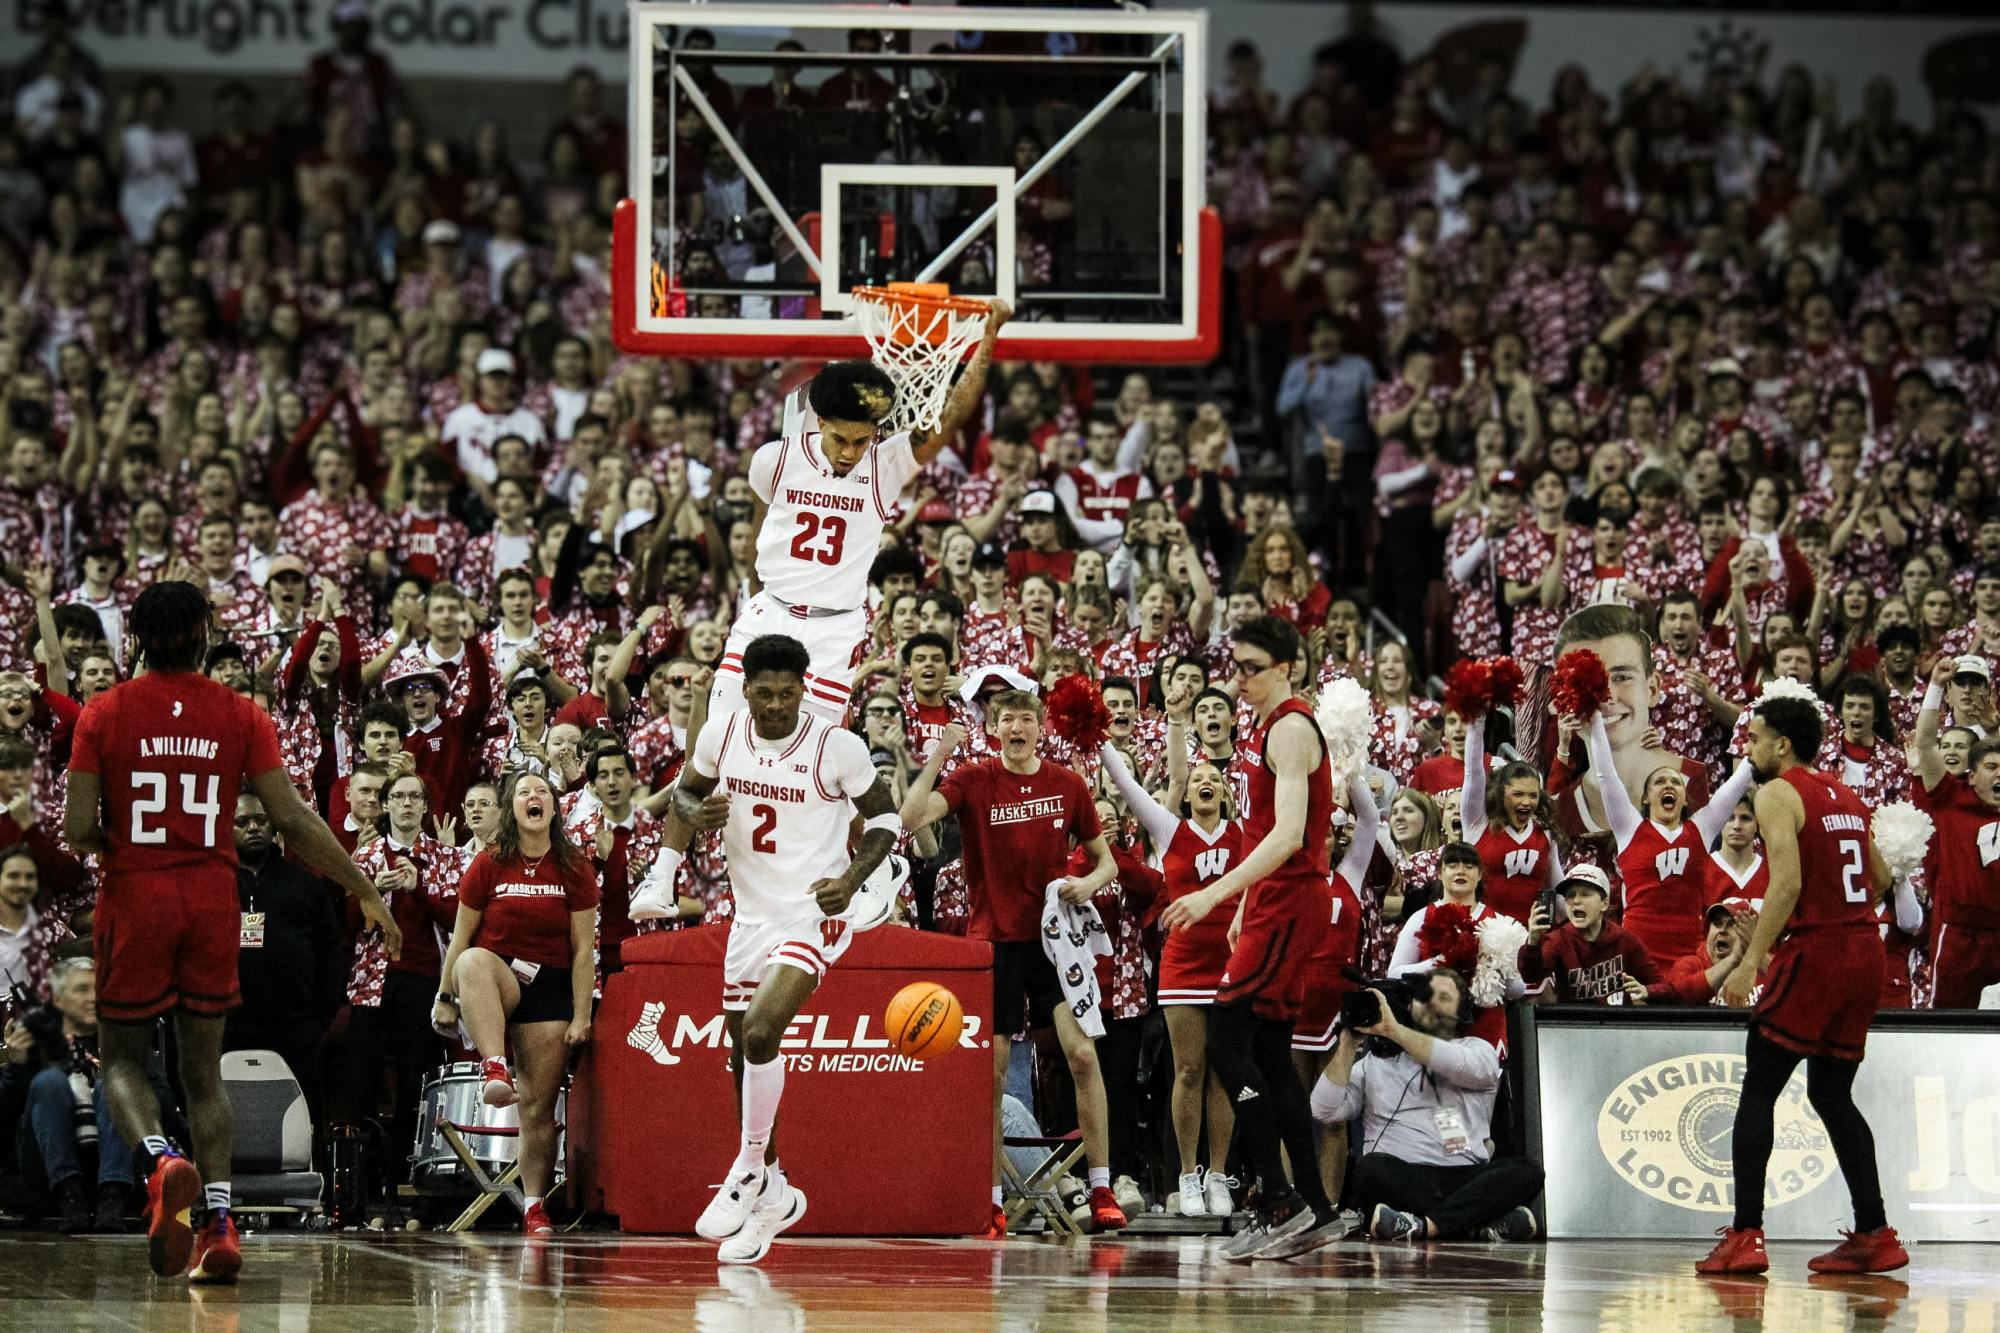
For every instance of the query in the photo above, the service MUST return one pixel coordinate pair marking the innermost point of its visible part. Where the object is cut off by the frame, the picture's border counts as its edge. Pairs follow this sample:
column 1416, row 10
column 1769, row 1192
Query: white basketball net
column 901, row 334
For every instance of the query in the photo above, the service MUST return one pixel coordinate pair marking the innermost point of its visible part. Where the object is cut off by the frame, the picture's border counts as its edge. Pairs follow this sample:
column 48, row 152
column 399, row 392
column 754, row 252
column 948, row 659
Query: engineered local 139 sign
column 1638, row 1130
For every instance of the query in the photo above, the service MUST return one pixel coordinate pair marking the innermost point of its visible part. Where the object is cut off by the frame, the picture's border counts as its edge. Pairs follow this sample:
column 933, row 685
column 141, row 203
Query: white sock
column 667, row 868
column 530, row 1200
column 996, row 1196
column 1100, row 1177
column 218, row 1196
column 763, row 1086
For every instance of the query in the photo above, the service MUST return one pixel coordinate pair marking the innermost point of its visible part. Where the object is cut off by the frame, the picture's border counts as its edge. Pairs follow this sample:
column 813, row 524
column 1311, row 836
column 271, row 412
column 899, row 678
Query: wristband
column 892, row 822
column 444, row 998
column 1933, row 698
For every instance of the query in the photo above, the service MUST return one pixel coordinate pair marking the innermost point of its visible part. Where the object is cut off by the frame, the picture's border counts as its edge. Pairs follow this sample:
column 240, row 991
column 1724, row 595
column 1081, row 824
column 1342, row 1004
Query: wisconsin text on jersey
column 851, row 504
column 770, row 792
column 176, row 747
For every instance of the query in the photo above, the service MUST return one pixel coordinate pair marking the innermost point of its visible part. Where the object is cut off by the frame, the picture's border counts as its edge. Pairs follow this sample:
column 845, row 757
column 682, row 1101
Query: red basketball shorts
column 1821, row 991
column 167, row 940
column 1964, row 962
column 1282, row 925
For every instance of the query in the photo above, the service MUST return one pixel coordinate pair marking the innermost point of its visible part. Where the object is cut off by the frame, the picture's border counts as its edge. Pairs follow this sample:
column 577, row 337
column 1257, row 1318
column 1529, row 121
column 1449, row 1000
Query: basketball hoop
column 919, row 333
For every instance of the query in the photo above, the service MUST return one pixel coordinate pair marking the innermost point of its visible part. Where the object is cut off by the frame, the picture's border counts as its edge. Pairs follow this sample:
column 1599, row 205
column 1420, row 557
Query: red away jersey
column 1309, row 862
column 172, row 750
column 1834, row 887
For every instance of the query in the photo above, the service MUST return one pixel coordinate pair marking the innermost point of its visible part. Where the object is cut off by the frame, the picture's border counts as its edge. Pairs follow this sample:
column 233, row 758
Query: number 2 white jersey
column 790, row 804
column 821, row 531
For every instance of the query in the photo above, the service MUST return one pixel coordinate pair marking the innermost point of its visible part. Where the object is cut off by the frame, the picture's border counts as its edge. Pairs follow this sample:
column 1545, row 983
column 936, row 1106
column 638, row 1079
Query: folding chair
column 490, row 1187
column 1037, row 1191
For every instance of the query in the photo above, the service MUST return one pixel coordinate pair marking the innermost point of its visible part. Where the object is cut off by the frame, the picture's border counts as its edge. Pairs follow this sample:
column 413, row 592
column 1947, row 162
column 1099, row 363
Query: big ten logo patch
column 1669, row 1131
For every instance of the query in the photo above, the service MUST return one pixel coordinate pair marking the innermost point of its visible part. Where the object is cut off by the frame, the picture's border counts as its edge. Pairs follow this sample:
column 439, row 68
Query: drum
column 491, row 1133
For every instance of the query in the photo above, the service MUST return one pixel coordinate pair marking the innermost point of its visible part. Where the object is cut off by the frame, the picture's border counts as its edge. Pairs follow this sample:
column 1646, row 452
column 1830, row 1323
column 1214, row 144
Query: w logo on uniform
column 830, row 931
column 1989, row 844
column 1210, row 864
column 1671, row 862
column 1521, row 864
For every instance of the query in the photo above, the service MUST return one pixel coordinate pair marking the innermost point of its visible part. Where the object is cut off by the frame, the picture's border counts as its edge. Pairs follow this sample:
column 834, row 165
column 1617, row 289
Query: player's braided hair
column 170, row 623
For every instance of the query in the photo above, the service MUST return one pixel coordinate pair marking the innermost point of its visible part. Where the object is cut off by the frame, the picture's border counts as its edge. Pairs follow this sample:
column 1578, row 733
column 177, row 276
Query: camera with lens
column 1360, row 1009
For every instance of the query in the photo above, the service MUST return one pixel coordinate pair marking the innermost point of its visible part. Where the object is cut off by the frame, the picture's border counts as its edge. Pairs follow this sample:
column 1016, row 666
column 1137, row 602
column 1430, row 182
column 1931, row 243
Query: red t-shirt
column 1439, row 773
column 1965, row 881
column 524, row 909
column 172, row 750
column 1016, row 829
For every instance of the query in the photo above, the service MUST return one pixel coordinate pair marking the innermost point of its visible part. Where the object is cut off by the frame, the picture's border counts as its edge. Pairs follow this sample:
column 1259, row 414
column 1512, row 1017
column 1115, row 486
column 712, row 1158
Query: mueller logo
column 1669, row 1130
column 813, row 1041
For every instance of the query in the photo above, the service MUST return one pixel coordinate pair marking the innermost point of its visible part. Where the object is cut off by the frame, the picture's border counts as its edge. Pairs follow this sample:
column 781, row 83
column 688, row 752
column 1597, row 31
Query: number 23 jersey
column 790, row 804
column 171, row 750
column 822, row 531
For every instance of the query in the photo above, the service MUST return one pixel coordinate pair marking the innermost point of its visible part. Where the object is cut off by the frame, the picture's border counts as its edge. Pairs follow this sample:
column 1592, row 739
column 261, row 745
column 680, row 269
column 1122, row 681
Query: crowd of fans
column 1720, row 354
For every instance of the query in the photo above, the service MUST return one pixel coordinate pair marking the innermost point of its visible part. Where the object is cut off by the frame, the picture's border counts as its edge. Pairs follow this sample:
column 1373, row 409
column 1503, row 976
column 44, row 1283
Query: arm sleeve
column 1367, row 821
column 1083, row 825
column 1909, row 912
column 707, row 756
column 1406, row 956
column 1618, row 807
column 475, row 890
column 953, row 787
column 1711, row 817
column 1467, row 1063
column 1152, row 816
column 1642, row 967
column 1468, row 562
column 848, row 770
column 580, row 892
column 1292, row 388
column 1395, row 483
column 1472, row 796
column 764, row 470
column 1333, row 1103
column 1132, row 449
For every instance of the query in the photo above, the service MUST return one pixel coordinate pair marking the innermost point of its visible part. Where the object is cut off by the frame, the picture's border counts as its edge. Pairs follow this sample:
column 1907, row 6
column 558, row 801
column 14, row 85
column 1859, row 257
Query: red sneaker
column 535, row 1221
column 1105, row 1214
column 218, row 1251
column 1863, row 1252
column 498, row 1088
column 997, row 1228
column 172, row 1191
column 1737, row 1252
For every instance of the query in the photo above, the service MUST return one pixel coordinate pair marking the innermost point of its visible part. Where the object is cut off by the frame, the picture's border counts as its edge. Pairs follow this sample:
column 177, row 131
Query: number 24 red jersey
column 172, row 750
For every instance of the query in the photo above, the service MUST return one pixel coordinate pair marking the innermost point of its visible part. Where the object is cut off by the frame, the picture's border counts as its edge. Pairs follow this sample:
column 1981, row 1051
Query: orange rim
column 923, row 300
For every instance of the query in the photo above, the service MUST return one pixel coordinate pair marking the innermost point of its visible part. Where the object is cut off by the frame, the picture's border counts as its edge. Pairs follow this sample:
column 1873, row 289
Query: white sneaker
column 730, row 1208
column 874, row 903
column 767, row 1219
column 653, row 900
column 1126, row 1190
column 1194, row 1201
column 1219, row 1202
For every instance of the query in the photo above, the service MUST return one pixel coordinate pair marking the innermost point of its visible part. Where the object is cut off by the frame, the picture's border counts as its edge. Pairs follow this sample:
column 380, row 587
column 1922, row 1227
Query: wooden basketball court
column 306, row 1281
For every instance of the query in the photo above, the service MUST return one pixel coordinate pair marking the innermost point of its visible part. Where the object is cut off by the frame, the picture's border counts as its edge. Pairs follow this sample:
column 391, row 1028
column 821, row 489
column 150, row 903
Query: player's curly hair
column 170, row 623
column 775, row 652
column 1795, row 720
column 852, row 391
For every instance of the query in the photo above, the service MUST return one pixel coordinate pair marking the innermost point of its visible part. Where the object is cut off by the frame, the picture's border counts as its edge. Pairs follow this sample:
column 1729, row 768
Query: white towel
column 1073, row 936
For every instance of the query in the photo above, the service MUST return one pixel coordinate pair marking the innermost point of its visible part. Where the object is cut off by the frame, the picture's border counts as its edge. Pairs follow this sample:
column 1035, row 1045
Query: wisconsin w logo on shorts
column 830, row 931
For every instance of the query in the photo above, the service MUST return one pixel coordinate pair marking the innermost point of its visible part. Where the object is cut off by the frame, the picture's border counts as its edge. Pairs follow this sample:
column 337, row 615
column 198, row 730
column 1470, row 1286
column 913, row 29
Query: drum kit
column 465, row 1146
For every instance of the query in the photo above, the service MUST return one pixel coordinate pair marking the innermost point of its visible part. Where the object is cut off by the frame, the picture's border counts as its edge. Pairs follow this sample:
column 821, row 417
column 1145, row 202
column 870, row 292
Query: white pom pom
column 1500, row 941
column 1346, row 717
column 1784, row 687
column 1902, row 834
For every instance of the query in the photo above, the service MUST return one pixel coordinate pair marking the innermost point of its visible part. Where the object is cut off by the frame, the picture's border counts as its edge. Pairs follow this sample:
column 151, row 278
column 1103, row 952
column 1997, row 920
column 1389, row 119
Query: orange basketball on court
column 925, row 1020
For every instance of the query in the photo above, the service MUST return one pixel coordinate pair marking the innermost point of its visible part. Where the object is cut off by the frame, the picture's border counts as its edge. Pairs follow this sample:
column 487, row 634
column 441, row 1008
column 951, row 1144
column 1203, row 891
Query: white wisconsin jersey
column 790, row 804
column 822, row 531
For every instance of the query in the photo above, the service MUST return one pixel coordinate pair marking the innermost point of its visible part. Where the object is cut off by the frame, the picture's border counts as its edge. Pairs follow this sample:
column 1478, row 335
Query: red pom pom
column 1579, row 685
column 1468, row 686
column 1448, row 933
column 1507, row 682
column 1076, row 712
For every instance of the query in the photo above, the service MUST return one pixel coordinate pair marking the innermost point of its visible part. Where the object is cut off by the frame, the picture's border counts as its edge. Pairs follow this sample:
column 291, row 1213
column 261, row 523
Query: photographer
column 50, row 1080
column 1424, row 1095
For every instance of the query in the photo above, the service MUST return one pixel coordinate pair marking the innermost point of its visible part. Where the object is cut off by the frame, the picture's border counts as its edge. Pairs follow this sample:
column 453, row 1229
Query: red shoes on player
column 172, row 1191
column 535, row 1220
column 497, row 1087
column 1105, row 1213
column 1879, row 1251
column 997, row 1228
column 1737, row 1252
column 218, row 1251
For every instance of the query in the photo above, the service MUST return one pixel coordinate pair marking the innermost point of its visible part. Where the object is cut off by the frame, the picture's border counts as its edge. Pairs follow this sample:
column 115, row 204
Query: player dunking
column 1286, row 883
column 827, row 495
column 783, row 786
column 156, row 763
column 1819, row 993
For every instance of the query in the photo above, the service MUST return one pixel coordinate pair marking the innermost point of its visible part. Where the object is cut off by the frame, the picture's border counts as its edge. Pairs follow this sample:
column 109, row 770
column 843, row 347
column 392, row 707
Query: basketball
column 925, row 1020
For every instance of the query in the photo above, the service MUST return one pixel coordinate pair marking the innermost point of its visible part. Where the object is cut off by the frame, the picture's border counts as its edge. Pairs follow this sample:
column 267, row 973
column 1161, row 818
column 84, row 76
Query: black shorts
column 546, row 999
column 1025, row 988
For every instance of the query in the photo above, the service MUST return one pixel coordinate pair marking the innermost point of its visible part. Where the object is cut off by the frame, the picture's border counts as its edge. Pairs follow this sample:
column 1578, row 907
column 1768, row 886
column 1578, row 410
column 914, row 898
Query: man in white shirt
column 473, row 429
column 1098, row 492
column 155, row 162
